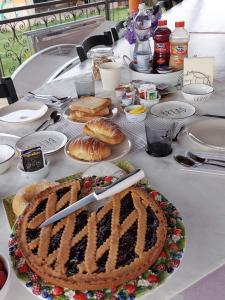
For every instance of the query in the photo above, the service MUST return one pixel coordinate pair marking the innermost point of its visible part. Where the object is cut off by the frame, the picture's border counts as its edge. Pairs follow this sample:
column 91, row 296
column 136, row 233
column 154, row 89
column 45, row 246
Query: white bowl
column 6, row 154
column 35, row 175
column 5, row 288
column 197, row 92
column 149, row 103
column 134, row 117
column 126, row 101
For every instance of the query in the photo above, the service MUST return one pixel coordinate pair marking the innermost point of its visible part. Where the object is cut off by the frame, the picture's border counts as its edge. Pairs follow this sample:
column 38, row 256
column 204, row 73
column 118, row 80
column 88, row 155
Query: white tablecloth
column 198, row 197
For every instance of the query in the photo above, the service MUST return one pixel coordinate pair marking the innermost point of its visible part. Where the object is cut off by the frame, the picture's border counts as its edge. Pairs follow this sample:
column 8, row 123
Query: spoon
column 202, row 160
column 52, row 116
column 187, row 162
column 54, row 120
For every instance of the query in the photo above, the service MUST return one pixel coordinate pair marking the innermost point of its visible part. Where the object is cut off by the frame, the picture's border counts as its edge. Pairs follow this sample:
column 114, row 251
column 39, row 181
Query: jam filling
column 126, row 250
column 104, row 229
column 127, row 206
column 32, row 234
column 39, row 209
column 77, row 253
column 35, row 250
column 80, row 222
column 152, row 224
column 101, row 262
column 61, row 192
column 55, row 241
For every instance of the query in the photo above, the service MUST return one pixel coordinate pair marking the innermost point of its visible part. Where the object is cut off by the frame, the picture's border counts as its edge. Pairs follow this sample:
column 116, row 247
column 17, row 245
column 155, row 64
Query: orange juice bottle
column 179, row 39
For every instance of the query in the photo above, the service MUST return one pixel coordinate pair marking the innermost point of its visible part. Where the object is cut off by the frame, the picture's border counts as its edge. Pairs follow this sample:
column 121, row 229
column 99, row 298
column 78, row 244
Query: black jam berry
column 102, row 262
column 77, row 253
column 80, row 222
column 61, row 192
column 127, row 206
column 152, row 224
column 55, row 241
column 127, row 243
column 35, row 250
column 39, row 209
column 104, row 229
column 32, row 234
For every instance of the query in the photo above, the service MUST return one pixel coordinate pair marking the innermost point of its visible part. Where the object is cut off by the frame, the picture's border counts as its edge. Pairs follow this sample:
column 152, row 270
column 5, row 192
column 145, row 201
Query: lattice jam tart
column 92, row 250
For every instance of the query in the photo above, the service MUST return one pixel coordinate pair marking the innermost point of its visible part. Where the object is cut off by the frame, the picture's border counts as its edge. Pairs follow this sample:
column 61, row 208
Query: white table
column 198, row 197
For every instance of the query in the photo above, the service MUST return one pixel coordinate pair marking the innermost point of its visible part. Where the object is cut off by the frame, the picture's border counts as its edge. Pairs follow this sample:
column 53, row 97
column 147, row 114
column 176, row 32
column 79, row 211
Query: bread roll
column 27, row 193
column 89, row 149
column 104, row 130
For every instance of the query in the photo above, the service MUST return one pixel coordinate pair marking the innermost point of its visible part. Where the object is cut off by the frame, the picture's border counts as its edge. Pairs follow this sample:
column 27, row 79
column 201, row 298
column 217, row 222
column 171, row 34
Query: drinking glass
column 85, row 86
column 159, row 135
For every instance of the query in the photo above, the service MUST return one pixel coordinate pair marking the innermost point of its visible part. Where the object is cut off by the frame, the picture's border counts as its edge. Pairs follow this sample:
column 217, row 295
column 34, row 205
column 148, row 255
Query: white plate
column 66, row 114
column 50, row 141
column 173, row 110
column 8, row 139
column 118, row 151
column 23, row 112
column 209, row 132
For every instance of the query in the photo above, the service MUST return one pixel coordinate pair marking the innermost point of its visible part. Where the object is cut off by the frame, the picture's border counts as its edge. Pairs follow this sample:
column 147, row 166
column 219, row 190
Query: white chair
column 43, row 67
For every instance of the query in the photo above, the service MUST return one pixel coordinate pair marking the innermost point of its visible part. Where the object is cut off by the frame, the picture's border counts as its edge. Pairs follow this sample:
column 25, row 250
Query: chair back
column 93, row 41
column 115, row 30
column 7, row 90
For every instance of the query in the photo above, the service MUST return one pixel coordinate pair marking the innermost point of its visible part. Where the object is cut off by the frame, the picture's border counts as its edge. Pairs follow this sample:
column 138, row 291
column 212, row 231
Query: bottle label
column 179, row 49
column 162, row 47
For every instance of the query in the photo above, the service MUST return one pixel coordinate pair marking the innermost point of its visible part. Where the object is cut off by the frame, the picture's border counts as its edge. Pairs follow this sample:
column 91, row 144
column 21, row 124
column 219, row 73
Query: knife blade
column 115, row 187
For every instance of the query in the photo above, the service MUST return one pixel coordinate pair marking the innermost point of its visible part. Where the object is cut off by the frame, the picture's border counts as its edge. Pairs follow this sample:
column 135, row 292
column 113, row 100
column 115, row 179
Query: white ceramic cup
column 110, row 75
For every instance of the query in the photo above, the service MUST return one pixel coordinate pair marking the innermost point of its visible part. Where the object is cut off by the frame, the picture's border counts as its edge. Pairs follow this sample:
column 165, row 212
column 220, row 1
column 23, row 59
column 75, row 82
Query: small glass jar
column 100, row 56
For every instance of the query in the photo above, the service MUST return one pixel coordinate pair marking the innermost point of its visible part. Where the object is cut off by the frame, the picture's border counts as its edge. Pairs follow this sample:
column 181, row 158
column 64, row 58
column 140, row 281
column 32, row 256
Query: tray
column 164, row 266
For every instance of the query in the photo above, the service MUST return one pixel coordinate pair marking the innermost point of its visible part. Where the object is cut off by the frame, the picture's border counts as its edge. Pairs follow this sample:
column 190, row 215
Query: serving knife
column 115, row 187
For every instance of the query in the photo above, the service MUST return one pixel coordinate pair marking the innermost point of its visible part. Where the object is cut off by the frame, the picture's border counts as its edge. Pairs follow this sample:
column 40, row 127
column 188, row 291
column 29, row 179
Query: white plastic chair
column 43, row 67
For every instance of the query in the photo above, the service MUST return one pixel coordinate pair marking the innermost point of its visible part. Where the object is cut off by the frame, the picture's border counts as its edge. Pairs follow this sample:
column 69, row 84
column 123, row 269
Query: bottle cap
column 179, row 24
column 162, row 22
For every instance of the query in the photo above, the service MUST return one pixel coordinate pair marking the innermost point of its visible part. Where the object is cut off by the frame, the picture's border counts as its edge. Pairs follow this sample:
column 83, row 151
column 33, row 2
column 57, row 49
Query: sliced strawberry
column 57, row 291
column 80, row 296
column 23, row 268
column 152, row 278
column 131, row 289
column 18, row 253
column 108, row 178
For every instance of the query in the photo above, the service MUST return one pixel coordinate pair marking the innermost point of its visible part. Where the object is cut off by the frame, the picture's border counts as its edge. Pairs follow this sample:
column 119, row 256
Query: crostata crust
column 92, row 250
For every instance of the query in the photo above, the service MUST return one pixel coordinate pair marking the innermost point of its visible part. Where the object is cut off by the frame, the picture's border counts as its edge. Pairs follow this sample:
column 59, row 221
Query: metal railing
column 14, row 47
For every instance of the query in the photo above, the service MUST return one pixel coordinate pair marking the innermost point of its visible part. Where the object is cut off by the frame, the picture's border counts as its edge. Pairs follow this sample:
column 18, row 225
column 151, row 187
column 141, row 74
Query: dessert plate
column 23, row 112
column 168, row 260
column 210, row 133
column 66, row 114
column 173, row 110
column 8, row 139
column 49, row 141
column 118, row 151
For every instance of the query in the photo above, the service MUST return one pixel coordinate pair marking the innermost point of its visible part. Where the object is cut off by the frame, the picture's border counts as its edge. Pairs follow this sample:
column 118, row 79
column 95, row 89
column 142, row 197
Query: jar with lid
column 100, row 56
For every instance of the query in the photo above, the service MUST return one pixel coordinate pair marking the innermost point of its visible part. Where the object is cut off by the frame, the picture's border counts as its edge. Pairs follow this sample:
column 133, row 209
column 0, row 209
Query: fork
column 48, row 96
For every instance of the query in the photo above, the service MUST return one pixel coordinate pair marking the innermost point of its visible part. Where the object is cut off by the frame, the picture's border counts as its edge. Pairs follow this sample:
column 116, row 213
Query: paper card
column 198, row 70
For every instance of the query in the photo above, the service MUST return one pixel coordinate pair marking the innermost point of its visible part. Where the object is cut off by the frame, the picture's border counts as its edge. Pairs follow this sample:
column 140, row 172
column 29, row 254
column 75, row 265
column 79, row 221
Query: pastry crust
column 53, row 264
column 104, row 130
column 89, row 149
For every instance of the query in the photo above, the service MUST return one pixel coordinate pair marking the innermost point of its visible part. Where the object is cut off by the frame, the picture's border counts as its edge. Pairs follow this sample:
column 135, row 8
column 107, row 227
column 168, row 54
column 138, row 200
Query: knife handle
column 120, row 185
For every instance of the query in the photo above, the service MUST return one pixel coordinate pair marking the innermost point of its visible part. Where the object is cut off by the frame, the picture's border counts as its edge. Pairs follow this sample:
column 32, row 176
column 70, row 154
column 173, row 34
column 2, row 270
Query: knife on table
column 115, row 187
